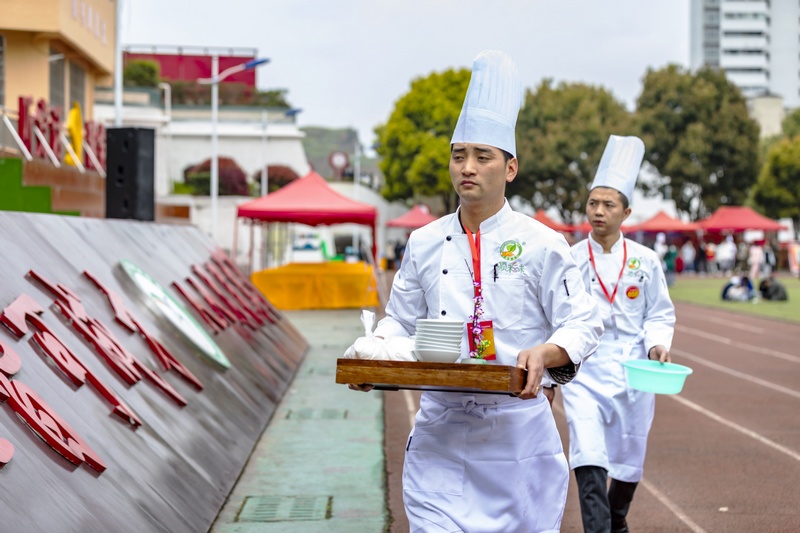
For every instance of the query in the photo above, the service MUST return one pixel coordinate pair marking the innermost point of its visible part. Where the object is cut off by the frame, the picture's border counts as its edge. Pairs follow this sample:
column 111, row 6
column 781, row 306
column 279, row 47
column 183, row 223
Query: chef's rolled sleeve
column 577, row 326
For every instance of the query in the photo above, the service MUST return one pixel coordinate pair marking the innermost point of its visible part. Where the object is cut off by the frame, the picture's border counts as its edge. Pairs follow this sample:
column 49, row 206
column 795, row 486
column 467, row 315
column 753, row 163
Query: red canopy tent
column 549, row 222
column 738, row 219
column 310, row 200
column 416, row 217
column 663, row 222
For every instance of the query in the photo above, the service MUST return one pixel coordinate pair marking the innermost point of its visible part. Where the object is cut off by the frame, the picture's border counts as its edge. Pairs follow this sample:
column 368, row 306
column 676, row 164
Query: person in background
column 738, row 289
column 671, row 264
column 772, row 289
column 711, row 258
column 726, row 255
column 742, row 250
column 661, row 248
column 399, row 248
column 755, row 260
column 609, row 421
column 486, row 463
column 688, row 255
column 701, row 260
column 770, row 260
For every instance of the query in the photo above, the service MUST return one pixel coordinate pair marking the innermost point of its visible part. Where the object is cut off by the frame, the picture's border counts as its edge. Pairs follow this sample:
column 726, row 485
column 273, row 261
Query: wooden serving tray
column 418, row 375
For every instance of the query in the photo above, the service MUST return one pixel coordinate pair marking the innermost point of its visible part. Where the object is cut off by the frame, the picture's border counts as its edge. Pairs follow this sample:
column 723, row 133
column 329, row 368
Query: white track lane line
column 729, row 342
column 741, row 429
column 410, row 407
column 669, row 504
column 729, row 323
column 742, row 375
column 660, row 496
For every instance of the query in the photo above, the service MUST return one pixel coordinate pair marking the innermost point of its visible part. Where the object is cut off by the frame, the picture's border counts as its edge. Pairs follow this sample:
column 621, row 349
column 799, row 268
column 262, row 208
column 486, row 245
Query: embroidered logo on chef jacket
column 632, row 292
column 634, row 263
column 509, row 268
column 510, row 250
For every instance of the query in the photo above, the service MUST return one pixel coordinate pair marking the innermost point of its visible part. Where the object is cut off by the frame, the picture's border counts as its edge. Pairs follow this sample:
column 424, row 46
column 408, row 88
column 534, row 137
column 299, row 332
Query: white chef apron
column 608, row 421
column 484, row 463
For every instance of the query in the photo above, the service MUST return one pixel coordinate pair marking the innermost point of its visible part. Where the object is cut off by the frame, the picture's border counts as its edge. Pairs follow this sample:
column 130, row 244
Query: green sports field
column 707, row 291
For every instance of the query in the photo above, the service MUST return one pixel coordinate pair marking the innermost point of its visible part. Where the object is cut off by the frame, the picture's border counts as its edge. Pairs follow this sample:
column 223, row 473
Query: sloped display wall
column 138, row 369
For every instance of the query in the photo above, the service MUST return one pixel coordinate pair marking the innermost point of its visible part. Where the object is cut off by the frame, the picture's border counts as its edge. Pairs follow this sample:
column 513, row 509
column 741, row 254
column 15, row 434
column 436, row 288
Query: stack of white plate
column 438, row 340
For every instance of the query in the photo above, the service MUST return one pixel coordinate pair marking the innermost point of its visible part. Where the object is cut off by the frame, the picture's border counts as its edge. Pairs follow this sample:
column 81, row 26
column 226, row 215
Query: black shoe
column 617, row 528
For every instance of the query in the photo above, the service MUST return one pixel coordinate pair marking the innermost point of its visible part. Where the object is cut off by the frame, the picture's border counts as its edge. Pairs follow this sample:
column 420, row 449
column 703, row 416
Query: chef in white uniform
column 483, row 462
column 608, row 421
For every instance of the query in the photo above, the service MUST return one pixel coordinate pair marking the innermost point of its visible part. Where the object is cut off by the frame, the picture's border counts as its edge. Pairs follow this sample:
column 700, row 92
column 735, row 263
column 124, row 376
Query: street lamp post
column 216, row 77
column 167, row 88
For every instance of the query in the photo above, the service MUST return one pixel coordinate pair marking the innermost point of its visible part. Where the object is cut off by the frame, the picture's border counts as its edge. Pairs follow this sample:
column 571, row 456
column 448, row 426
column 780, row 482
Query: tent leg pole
column 252, row 247
column 235, row 247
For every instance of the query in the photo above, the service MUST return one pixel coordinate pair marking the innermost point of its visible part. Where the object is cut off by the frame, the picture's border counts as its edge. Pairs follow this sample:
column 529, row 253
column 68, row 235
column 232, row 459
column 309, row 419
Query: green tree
column 561, row 134
column 415, row 142
column 699, row 137
column 140, row 73
column 777, row 191
column 791, row 124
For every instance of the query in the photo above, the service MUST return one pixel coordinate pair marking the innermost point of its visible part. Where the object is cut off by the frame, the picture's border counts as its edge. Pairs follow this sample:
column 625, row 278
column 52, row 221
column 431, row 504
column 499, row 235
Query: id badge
column 489, row 353
column 614, row 324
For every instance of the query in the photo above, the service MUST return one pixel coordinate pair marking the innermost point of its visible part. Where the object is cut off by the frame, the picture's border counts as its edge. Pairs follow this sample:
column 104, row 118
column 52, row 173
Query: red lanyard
column 475, row 248
column 621, row 270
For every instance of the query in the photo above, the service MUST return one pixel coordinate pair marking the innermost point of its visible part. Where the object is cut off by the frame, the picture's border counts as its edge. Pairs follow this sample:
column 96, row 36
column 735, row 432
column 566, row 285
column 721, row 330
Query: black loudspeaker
column 130, row 173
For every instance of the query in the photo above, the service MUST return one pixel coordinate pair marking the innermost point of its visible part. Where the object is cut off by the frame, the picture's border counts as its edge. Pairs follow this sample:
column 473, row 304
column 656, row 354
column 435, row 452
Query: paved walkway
column 319, row 467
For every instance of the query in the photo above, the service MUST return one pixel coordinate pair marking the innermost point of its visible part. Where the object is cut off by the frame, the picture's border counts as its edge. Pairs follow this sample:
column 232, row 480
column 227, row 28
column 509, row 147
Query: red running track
column 723, row 456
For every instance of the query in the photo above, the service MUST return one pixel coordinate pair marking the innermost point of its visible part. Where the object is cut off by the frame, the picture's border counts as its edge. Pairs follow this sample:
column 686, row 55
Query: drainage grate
column 316, row 414
column 285, row 508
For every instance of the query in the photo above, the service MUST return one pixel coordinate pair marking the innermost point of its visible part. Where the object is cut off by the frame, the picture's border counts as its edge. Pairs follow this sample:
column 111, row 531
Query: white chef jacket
column 489, row 463
column 608, row 421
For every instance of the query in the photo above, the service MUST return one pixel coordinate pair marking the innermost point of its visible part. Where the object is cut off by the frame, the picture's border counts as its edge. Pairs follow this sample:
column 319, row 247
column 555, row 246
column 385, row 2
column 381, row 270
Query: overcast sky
column 346, row 62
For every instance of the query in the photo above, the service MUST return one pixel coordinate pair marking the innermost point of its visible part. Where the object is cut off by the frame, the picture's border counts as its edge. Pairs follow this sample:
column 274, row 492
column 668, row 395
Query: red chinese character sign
column 171, row 413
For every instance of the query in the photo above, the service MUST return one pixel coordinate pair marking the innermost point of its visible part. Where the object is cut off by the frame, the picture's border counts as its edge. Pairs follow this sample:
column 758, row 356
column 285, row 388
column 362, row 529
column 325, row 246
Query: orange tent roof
column 308, row 200
column 737, row 219
column 542, row 217
column 663, row 222
column 416, row 217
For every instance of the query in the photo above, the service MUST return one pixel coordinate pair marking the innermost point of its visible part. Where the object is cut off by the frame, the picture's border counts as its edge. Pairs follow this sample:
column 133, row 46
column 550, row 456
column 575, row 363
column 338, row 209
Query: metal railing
column 10, row 142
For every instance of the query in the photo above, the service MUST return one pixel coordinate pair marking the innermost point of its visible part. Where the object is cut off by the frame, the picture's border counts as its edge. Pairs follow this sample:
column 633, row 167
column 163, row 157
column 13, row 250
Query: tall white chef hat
column 619, row 166
column 494, row 97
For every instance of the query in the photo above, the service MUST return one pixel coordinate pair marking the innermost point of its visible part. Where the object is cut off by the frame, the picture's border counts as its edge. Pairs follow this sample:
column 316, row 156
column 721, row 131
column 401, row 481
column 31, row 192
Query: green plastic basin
column 653, row 376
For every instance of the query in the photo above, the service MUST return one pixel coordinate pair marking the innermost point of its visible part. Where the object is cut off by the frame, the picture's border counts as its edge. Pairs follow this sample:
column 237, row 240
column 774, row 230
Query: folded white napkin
column 371, row 347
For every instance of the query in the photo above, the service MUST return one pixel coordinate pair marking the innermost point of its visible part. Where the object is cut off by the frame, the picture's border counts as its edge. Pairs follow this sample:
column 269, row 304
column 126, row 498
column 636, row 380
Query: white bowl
column 440, row 324
column 439, row 321
column 439, row 336
column 437, row 356
column 438, row 345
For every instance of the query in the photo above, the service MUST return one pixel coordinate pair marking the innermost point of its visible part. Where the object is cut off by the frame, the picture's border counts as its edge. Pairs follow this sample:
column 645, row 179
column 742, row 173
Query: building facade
column 756, row 43
column 56, row 51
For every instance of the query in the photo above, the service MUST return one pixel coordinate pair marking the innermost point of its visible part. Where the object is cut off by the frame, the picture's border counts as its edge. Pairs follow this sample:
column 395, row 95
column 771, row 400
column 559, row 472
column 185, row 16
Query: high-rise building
column 756, row 43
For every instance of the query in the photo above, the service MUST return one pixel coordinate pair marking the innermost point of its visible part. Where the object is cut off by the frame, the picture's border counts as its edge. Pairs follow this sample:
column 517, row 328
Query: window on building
column 77, row 85
column 744, row 34
column 57, row 62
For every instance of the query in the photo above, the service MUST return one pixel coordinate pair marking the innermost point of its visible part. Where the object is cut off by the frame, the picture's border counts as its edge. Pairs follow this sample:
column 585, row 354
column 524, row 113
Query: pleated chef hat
column 619, row 166
column 494, row 97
